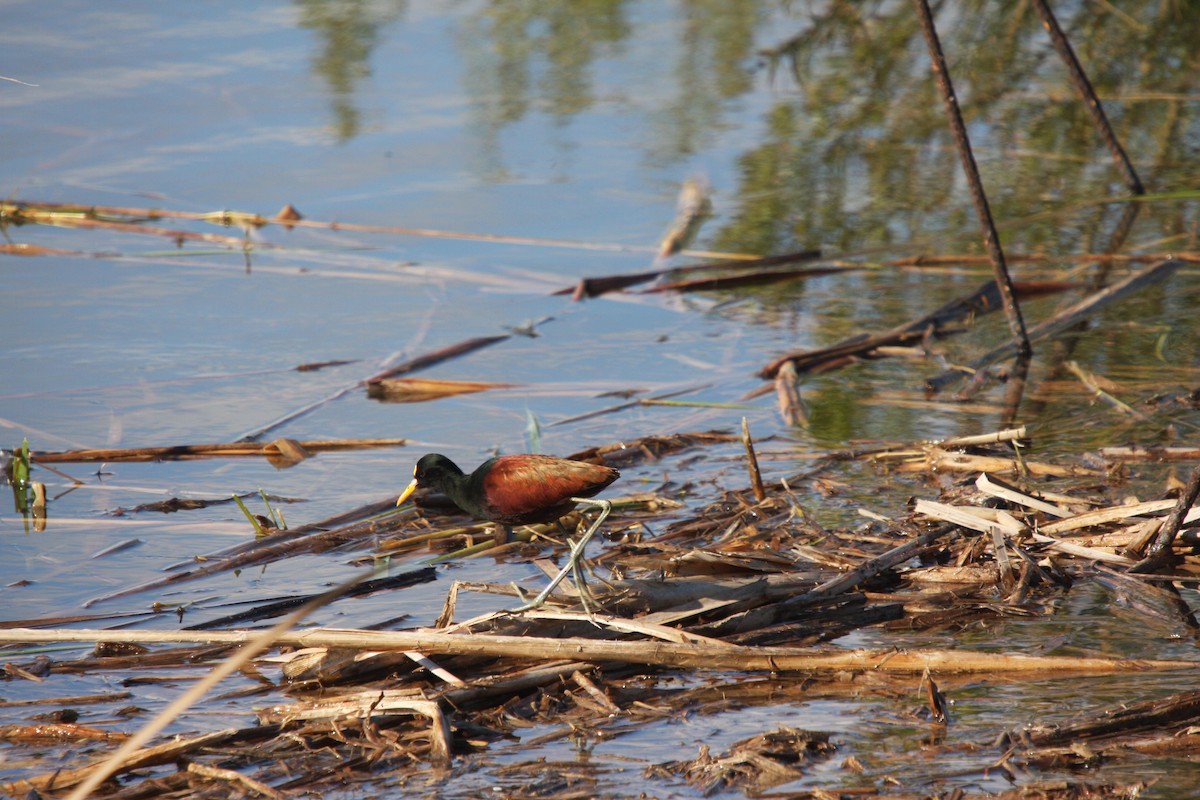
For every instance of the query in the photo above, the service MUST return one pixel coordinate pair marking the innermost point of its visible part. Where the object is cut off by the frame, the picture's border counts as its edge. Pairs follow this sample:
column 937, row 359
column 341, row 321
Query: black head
column 434, row 469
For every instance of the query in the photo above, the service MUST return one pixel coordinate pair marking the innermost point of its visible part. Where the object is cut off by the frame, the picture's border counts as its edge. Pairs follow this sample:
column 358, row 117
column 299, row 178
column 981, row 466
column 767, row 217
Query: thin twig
column 1088, row 94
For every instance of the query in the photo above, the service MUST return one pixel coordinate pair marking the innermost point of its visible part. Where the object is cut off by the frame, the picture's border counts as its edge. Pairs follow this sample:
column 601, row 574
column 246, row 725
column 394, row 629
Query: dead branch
column 1066, row 318
column 603, row 284
column 1088, row 95
column 983, row 300
column 657, row 653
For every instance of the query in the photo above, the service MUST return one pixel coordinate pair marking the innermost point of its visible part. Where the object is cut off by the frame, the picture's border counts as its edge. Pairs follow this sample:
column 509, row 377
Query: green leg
column 574, row 560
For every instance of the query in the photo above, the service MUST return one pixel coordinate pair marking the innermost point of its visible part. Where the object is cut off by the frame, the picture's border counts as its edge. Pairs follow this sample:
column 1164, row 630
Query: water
column 555, row 122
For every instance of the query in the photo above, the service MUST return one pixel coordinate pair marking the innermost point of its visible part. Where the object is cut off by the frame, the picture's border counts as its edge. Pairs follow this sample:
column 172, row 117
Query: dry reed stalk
column 756, row 482
column 221, row 450
column 74, row 213
column 420, row 390
column 937, row 461
column 167, row 753
column 996, row 437
column 787, row 392
column 1153, row 453
column 1093, row 385
column 989, row 485
column 253, row 645
column 1102, row 516
column 657, row 653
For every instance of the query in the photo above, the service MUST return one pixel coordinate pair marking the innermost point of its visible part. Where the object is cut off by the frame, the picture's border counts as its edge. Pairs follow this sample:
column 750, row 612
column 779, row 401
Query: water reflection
column 853, row 151
column 349, row 31
column 858, row 156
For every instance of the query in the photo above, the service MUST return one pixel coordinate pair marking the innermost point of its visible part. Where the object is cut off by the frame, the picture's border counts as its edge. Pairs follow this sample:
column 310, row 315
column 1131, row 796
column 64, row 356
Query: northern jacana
column 521, row 490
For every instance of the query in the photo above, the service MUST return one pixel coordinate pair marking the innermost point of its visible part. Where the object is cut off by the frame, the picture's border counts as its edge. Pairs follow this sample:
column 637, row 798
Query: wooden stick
column 602, row 284
column 760, row 278
column 756, row 482
column 991, row 238
column 656, row 653
column 983, row 300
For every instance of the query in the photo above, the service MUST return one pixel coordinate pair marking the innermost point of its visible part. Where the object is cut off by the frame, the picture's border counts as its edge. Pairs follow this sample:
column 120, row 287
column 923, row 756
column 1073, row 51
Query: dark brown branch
column 991, row 239
column 739, row 280
column 1088, row 94
column 983, row 300
column 602, row 284
column 1064, row 319
column 438, row 356
column 1160, row 551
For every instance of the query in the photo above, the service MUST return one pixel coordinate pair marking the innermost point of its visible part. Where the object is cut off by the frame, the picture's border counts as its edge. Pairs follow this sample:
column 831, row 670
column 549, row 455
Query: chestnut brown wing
column 520, row 490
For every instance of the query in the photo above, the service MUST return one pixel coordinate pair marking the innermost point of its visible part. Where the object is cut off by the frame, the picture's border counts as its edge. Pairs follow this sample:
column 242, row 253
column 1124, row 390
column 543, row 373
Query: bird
column 521, row 490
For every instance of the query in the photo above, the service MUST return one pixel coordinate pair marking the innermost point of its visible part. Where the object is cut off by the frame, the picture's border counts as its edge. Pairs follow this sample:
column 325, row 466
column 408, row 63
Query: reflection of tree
column 860, row 156
column 349, row 30
column 540, row 55
column 854, row 151
column 544, row 48
column 716, row 43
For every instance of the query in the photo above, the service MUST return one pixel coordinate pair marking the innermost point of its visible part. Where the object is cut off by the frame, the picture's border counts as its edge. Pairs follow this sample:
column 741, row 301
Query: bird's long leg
column 573, row 560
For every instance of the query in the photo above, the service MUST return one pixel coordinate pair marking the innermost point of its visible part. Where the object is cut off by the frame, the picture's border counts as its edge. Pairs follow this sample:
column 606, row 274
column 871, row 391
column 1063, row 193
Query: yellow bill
column 408, row 490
